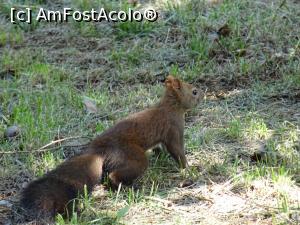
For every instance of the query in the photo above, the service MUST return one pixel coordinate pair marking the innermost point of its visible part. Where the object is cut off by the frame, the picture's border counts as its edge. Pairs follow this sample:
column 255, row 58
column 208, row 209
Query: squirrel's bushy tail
column 53, row 193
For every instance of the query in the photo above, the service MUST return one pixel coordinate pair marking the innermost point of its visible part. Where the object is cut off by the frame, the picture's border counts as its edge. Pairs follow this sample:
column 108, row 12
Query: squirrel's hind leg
column 131, row 167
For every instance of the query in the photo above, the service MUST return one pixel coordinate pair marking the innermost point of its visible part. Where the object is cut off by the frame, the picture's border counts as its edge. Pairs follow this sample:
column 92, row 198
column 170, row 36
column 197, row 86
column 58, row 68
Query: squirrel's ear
column 176, row 83
column 173, row 82
column 169, row 81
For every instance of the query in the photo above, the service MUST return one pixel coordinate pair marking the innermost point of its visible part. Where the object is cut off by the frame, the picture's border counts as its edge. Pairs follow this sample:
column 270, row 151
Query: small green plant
column 154, row 188
column 133, row 28
column 235, row 129
column 244, row 66
column 200, row 47
column 133, row 196
column 174, row 70
column 256, row 128
column 283, row 203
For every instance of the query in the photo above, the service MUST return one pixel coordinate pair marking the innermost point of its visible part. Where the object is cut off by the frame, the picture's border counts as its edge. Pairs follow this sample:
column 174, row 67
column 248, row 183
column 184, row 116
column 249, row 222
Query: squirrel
column 118, row 152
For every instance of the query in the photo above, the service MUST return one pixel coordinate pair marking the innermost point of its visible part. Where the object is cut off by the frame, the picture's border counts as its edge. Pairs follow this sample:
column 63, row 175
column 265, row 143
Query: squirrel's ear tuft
column 172, row 82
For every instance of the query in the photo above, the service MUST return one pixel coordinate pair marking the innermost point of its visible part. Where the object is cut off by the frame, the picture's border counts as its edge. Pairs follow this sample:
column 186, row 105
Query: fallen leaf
column 90, row 105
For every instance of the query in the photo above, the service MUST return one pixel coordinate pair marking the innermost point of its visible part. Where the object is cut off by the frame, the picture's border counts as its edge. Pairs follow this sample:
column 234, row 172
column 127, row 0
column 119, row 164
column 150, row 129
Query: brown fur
column 119, row 151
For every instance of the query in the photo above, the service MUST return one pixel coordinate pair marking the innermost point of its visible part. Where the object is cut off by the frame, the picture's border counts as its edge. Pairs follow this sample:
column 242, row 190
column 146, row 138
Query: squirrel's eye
column 195, row 92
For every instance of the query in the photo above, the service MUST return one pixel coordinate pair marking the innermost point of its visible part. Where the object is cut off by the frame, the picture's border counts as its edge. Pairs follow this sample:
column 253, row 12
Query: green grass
column 250, row 75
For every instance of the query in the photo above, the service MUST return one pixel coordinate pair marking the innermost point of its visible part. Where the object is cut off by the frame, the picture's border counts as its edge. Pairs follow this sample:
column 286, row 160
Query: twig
column 45, row 147
column 57, row 141
column 166, row 202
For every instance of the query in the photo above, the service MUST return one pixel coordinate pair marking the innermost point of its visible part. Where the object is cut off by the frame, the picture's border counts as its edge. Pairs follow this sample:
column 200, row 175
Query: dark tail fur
column 53, row 193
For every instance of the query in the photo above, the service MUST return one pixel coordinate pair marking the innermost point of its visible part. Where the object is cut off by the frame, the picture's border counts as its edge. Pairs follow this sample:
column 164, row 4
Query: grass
column 251, row 77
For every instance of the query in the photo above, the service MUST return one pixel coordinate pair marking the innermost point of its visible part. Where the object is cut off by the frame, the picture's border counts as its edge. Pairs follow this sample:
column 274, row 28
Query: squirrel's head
column 186, row 94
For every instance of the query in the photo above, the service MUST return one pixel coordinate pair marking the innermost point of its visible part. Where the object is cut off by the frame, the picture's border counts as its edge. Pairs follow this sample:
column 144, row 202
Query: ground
column 61, row 84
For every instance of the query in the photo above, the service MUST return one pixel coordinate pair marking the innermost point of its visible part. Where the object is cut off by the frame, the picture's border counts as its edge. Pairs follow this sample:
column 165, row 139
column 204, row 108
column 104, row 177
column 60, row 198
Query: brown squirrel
column 118, row 152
